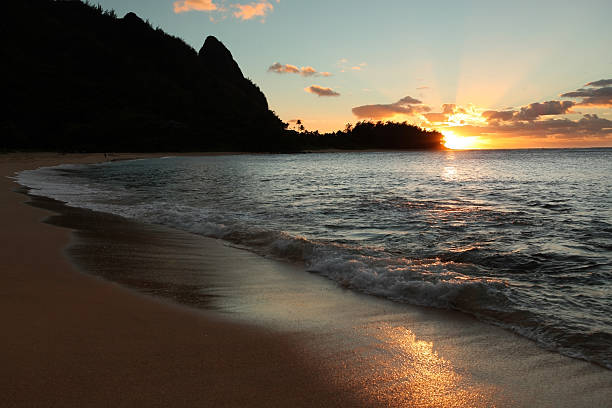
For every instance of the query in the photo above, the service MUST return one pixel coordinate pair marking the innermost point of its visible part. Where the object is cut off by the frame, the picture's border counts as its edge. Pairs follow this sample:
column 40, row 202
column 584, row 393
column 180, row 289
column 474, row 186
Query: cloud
column 535, row 120
column 498, row 115
column 599, row 93
column 588, row 126
column 408, row 100
column 321, row 91
column 279, row 68
column 448, row 109
column 243, row 11
column 420, row 88
column 308, row 71
column 183, row 6
column 601, row 82
column 252, row 10
column 436, row 117
column 535, row 110
column 345, row 65
column 405, row 106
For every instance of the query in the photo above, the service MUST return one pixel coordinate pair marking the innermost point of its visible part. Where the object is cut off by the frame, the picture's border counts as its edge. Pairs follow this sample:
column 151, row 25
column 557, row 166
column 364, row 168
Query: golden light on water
column 454, row 141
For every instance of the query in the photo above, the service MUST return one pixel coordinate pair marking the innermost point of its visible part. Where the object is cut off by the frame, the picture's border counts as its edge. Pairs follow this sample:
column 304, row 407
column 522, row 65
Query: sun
column 453, row 141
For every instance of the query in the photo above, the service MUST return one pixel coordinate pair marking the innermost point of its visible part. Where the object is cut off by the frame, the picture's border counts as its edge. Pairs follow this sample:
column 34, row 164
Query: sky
column 487, row 74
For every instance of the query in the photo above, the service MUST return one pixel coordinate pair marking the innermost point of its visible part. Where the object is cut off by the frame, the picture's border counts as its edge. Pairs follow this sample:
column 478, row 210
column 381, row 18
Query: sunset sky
column 501, row 74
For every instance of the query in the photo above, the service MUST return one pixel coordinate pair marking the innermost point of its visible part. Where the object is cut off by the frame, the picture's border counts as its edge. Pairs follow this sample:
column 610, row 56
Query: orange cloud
column 308, row 71
column 436, row 117
column 252, row 10
column 405, row 106
column 321, row 91
column 279, row 68
column 182, row 6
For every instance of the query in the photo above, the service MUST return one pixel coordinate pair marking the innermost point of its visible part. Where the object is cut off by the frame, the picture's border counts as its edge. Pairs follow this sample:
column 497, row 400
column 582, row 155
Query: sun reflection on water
column 450, row 173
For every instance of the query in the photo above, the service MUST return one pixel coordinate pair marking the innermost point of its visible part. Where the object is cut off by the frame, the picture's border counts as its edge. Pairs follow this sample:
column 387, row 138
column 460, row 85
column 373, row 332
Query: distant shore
column 76, row 340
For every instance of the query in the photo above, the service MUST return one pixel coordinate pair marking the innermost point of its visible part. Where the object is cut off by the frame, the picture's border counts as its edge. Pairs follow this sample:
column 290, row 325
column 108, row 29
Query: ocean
column 521, row 239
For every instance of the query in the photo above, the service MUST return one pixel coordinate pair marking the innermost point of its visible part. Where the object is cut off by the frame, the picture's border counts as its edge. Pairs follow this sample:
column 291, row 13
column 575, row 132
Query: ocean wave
column 459, row 278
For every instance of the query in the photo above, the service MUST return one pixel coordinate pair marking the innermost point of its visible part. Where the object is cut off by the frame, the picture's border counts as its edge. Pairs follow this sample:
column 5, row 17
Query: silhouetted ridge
column 132, row 18
column 218, row 59
column 77, row 78
column 219, row 62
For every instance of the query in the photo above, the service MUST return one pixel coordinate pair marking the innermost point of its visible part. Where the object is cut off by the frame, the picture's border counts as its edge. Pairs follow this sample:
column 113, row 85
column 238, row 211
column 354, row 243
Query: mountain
column 77, row 78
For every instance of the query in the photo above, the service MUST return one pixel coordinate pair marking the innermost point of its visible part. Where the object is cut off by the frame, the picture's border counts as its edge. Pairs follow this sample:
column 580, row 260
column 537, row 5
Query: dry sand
column 76, row 340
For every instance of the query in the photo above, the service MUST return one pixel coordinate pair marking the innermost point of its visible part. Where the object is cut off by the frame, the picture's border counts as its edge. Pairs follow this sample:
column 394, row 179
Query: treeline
column 367, row 135
column 78, row 78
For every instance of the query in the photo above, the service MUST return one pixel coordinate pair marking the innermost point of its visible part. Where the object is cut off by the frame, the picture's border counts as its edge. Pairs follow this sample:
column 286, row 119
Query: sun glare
column 453, row 141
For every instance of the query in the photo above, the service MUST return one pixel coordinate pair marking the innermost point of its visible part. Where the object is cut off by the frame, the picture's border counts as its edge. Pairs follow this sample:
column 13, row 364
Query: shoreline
column 72, row 339
column 440, row 354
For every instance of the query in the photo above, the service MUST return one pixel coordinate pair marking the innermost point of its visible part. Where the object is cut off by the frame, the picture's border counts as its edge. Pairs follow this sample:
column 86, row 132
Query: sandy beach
column 262, row 333
column 70, row 339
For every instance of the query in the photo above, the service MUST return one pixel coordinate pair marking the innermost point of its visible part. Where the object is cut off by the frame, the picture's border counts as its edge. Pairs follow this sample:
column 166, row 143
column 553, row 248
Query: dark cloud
column 279, row 68
column 534, row 120
column 587, row 126
column 535, row 110
column 408, row 100
column 405, row 106
column 601, row 82
column 598, row 94
column 498, row 115
column 321, row 91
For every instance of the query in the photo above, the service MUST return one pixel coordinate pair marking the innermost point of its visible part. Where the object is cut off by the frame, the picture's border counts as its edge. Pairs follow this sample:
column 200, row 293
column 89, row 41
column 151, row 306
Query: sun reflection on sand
column 409, row 372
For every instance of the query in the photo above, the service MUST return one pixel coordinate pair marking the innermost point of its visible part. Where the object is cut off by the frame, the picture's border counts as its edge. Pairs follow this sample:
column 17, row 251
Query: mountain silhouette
column 77, row 78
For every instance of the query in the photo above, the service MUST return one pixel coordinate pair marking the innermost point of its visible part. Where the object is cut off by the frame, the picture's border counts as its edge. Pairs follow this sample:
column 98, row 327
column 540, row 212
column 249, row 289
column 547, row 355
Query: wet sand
column 272, row 334
column 70, row 339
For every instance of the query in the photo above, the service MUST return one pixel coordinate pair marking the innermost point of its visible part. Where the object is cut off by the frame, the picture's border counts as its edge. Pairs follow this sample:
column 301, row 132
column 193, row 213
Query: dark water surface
column 518, row 238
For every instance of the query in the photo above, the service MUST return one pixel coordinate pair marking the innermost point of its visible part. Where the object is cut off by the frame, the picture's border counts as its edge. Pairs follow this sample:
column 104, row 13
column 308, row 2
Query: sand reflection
column 409, row 372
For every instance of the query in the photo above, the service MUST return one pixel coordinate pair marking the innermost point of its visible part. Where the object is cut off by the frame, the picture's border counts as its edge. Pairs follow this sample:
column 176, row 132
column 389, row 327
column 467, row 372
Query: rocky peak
column 132, row 18
column 218, row 59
